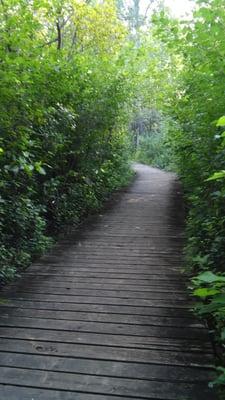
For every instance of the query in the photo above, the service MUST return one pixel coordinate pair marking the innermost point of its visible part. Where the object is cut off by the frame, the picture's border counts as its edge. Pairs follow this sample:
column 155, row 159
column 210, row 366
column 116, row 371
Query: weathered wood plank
column 93, row 274
column 120, row 301
column 102, row 385
column 111, row 339
column 110, row 268
column 107, row 327
column 69, row 278
column 120, row 294
column 10, row 392
column 101, row 317
column 95, row 347
column 146, row 371
column 86, row 284
column 108, row 308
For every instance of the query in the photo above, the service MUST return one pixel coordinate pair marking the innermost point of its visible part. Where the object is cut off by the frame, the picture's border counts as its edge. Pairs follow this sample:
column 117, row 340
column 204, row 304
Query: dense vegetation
column 181, row 127
column 197, row 144
column 63, row 145
column 153, row 147
column 75, row 76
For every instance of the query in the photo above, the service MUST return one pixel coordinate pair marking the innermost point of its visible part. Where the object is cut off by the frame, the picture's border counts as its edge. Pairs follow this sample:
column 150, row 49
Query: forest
column 86, row 86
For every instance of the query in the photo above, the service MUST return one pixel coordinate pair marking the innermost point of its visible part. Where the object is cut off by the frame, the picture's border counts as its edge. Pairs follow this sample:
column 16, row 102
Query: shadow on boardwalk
column 105, row 316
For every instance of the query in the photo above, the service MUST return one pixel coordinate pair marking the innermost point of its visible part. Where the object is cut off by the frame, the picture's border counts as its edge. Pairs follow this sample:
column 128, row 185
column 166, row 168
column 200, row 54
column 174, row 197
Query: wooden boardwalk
column 105, row 315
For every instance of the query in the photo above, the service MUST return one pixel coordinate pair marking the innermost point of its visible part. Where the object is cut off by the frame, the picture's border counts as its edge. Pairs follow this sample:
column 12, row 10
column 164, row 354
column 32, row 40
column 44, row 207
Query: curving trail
column 105, row 315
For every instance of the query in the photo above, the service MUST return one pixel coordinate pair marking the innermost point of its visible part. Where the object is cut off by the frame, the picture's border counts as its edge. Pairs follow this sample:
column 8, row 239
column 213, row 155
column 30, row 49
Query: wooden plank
column 101, row 317
column 75, row 239
column 120, row 259
column 146, row 371
column 48, row 283
column 102, row 385
column 167, row 311
column 179, row 304
column 118, row 243
column 92, row 274
column 110, row 267
column 127, row 234
column 174, row 351
column 105, row 256
column 108, row 249
column 9, row 392
column 107, row 327
column 118, row 294
column 41, row 276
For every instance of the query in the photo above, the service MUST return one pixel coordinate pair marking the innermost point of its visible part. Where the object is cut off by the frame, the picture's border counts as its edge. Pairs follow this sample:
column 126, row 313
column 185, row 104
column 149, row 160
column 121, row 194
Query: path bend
column 105, row 315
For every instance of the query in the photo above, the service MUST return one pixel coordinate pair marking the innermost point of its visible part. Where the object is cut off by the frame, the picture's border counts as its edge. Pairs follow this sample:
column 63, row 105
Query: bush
column 63, row 147
column 155, row 151
column 199, row 148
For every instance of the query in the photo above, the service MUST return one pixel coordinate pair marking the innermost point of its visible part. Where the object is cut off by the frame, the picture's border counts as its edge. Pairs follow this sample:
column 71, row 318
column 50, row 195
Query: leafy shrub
column 155, row 151
column 63, row 145
column 198, row 146
column 209, row 288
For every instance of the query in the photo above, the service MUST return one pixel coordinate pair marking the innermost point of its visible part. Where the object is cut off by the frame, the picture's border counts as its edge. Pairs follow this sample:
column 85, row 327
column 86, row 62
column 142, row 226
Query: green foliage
column 72, row 78
column 210, row 289
column 63, row 146
column 153, row 146
column 216, row 176
column 220, row 380
column 198, row 146
column 221, row 121
column 155, row 151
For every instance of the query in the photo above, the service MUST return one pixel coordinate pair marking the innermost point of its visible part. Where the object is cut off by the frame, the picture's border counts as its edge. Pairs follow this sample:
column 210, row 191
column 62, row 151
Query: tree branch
column 50, row 42
column 59, row 36
column 147, row 9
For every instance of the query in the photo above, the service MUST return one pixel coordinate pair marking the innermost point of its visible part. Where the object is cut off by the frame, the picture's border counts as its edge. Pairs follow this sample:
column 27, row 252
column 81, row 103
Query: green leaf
column 205, row 292
column 216, row 176
column 220, row 299
column 220, row 380
column 28, row 168
column 41, row 171
column 209, row 277
column 39, row 168
column 221, row 121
